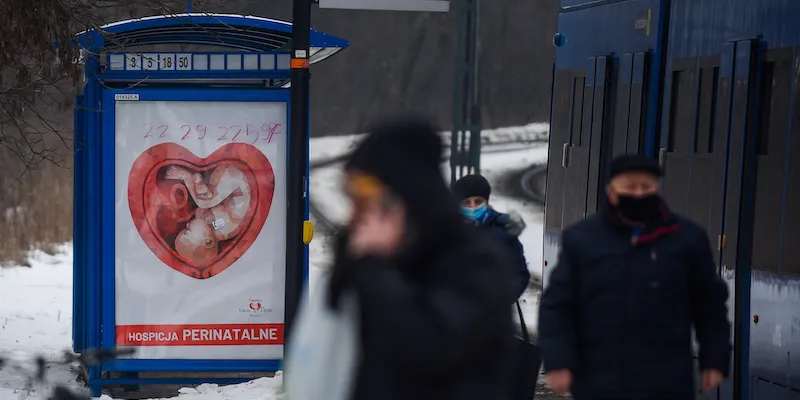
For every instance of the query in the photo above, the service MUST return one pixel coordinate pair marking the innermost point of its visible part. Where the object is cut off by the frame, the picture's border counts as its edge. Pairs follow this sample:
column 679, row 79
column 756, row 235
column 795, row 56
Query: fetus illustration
column 222, row 198
column 197, row 215
column 222, row 202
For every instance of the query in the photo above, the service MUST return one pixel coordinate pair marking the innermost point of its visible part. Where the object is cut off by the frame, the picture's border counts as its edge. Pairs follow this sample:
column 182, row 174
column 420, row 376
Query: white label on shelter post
column 200, row 251
column 126, row 97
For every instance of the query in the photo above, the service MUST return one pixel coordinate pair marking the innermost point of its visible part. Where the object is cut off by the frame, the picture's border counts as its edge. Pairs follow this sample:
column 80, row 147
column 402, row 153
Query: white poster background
column 148, row 292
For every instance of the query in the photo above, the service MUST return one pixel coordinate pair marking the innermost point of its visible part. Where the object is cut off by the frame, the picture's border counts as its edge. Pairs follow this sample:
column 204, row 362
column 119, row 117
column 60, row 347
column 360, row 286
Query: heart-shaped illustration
column 197, row 215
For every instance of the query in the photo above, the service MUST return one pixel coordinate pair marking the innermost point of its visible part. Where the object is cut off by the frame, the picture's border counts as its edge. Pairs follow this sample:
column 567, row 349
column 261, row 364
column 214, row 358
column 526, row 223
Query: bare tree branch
column 39, row 69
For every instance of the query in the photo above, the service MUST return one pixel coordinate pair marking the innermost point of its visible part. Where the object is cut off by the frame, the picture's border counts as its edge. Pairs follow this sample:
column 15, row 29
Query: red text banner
column 200, row 335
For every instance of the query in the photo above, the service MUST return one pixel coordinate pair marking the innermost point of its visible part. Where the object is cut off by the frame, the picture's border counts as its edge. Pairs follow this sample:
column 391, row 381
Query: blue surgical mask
column 474, row 214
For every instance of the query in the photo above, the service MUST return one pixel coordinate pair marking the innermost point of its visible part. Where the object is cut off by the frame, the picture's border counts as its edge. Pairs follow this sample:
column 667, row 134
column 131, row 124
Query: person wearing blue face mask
column 473, row 192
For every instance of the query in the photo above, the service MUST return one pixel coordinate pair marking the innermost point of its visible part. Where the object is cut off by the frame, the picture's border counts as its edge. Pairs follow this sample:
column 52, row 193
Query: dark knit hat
column 405, row 155
column 472, row 186
column 394, row 146
column 634, row 163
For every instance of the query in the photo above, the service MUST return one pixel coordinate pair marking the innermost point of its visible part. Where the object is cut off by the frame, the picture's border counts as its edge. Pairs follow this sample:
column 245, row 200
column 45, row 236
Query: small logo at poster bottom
column 255, row 307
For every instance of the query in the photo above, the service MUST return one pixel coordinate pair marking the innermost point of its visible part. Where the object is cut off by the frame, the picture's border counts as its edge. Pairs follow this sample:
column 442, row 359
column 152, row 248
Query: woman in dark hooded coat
column 433, row 296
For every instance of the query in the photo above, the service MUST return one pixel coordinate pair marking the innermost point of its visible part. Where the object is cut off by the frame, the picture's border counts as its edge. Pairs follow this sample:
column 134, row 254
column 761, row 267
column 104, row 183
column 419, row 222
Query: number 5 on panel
column 150, row 61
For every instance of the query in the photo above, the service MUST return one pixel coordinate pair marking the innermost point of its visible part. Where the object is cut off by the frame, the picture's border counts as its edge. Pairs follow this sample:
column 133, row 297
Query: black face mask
column 639, row 209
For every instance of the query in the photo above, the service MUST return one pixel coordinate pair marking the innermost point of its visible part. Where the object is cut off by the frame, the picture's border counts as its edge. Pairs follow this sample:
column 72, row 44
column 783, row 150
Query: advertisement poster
column 200, row 231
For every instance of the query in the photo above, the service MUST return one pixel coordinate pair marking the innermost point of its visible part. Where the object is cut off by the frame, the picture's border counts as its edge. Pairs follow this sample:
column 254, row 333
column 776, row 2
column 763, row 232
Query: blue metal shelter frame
column 256, row 69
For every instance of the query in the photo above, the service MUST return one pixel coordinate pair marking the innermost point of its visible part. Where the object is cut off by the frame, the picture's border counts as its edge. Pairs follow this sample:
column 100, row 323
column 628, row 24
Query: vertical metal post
column 298, row 156
column 475, row 117
column 78, row 205
column 92, row 254
column 465, row 155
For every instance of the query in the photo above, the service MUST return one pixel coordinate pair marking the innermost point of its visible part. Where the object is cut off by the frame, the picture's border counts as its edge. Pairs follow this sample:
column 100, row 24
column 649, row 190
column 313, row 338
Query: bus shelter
column 181, row 164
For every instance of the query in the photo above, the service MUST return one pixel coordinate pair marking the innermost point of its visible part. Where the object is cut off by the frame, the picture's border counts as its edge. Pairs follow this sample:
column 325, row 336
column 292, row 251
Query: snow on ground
column 35, row 316
column 36, row 302
column 258, row 389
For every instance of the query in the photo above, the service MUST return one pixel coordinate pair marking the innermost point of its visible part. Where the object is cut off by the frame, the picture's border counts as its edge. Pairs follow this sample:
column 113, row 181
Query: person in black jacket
column 616, row 318
column 433, row 296
column 473, row 191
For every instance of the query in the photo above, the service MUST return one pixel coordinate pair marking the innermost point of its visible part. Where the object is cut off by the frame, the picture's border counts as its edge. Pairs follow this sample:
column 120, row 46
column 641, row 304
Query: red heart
column 197, row 215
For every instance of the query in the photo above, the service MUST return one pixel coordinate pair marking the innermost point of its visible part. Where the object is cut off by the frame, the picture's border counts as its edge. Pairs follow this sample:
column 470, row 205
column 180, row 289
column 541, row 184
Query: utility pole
column 465, row 154
column 298, row 130
column 296, row 191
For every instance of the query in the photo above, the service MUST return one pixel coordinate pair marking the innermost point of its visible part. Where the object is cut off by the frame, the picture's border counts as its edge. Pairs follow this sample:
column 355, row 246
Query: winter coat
column 619, row 309
column 506, row 231
column 435, row 321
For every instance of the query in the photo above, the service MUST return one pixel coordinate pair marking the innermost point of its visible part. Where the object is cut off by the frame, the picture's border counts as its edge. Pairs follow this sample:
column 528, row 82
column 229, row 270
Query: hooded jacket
column 506, row 231
column 435, row 320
